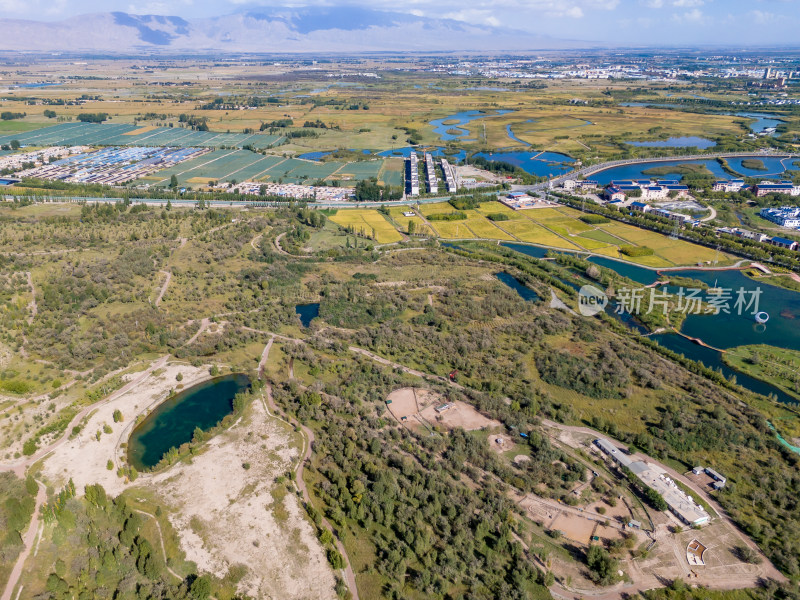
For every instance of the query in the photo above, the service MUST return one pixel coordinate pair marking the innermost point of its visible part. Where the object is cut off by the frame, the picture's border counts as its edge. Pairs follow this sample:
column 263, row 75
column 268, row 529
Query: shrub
column 637, row 251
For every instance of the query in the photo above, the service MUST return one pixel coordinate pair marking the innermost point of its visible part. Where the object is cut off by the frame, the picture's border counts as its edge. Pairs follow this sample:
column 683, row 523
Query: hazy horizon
column 651, row 23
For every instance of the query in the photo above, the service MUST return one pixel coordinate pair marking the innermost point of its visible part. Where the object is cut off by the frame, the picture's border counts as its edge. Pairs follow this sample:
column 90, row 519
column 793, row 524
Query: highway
column 538, row 187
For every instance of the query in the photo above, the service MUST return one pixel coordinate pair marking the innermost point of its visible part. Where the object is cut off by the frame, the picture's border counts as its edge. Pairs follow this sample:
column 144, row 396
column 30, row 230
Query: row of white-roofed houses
column 412, row 175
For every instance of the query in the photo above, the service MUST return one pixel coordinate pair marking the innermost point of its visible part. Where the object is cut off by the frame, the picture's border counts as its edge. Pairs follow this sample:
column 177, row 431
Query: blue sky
column 648, row 22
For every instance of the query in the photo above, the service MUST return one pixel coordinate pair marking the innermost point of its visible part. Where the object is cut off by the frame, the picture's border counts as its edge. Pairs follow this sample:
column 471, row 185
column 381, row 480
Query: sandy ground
column 470, row 172
column 501, row 443
column 402, row 403
column 460, row 415
column 224, row 514
column 228, row 515
column 84, row 458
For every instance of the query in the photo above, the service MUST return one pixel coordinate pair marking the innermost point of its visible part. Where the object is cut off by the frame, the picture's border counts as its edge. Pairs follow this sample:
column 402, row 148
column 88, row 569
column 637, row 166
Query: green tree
column 602, row 566
column 173, row 181
column 200, row 588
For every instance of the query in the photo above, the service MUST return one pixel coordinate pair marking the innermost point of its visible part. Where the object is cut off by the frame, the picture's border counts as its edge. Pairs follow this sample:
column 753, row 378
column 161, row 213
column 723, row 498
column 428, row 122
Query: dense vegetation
column 17, row 501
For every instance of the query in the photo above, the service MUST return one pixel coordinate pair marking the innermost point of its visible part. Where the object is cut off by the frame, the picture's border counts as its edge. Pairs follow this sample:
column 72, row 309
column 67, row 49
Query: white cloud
column 761, row 17
column 475, row 16
column 691, row 16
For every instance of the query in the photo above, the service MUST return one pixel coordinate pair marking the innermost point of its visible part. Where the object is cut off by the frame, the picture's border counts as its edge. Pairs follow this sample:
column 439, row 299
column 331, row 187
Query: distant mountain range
column 305, row 30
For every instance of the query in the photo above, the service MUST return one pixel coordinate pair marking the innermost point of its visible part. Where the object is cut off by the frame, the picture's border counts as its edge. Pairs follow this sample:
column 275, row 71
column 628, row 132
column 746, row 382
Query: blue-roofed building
column 640, row 206
column 614, row 193
column 784, row 243
column 764, row 188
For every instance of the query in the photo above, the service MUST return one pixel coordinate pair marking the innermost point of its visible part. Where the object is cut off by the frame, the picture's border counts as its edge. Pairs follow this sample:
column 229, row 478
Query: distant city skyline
column 616, row 22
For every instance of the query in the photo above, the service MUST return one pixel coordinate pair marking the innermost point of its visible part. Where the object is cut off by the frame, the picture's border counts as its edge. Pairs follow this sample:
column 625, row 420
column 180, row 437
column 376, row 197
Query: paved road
column 594, row 169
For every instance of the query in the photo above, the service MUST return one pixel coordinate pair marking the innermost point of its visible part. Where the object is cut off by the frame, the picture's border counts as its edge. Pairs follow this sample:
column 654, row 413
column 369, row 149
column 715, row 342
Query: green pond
column 173, row 422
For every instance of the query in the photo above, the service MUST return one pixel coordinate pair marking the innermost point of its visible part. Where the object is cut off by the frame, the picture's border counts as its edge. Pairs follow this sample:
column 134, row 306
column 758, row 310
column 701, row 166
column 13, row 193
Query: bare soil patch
column 459, row 415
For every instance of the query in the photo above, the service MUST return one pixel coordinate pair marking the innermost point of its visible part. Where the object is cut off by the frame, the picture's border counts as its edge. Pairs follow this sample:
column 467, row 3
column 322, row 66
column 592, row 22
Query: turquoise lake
column 173, row 422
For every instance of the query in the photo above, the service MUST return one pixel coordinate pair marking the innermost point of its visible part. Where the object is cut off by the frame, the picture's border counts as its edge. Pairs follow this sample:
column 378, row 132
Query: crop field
column 367, row 221
column 527, row 230
column 453, row 230
column 484, row 228
column 243, row 165
column 393, row 172
column 360, row 170
column 92, row 134
column 601, row 236
column 396, row 212
column 556, row 228
column 437, row 208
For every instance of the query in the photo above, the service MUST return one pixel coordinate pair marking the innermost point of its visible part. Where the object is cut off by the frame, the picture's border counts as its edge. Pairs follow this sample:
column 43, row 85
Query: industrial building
column 680, row 504
column 113, row 165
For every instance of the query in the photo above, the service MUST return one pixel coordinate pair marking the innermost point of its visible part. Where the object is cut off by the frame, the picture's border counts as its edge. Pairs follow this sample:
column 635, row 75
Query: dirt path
column 164, row 287
column 254, row 241
column 308, row 442
column 27, row 540
column 203, row 326
column 711, row 216
column 34, row 308
column 161, row 540
column 21, row 466
column 278, row 245
column 409, row 370
column 265, row 357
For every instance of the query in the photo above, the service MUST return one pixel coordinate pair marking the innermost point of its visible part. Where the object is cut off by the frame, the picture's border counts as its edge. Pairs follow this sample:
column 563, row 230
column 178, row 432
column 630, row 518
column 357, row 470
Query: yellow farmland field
column 141, row 130
column 488, row 208
column 396, row 212
column 528, row 231
column 484, row 228
column 453, row 229
column 592, row 245
column 436, row 208
column 366, row 221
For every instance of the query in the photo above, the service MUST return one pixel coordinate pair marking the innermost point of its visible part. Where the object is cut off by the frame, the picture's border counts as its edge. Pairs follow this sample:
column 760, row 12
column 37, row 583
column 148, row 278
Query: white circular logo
column 591, row 301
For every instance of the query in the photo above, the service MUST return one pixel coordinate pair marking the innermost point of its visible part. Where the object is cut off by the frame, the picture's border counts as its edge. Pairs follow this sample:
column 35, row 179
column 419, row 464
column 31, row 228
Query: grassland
column 394, row 106
column 777, row 366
